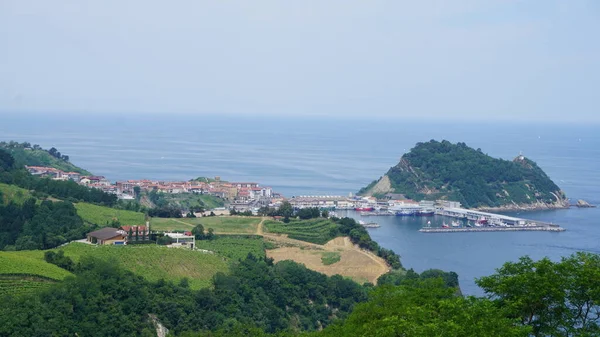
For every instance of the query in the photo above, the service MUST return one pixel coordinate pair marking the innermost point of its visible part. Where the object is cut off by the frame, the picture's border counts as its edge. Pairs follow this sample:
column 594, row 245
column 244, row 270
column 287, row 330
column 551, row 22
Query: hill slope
column 442, row 170
column 21, row 273
column 24, row 154
column 103, row 216
column 155, row 262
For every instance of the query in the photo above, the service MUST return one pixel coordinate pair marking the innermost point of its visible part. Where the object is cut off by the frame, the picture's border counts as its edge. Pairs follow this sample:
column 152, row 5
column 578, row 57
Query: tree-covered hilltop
column 34, row 155
column 442, row 170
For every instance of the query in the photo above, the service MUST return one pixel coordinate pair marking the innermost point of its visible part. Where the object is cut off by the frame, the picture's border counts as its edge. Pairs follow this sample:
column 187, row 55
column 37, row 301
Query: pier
column 492, row 229
column 489, row 222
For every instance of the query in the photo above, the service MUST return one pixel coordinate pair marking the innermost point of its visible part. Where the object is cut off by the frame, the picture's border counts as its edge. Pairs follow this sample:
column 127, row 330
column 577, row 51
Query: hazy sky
column 457, row 58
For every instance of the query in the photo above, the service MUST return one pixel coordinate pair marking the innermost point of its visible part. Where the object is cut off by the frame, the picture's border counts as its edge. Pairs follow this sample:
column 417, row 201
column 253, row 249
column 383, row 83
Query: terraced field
column 234, row 247
column 221, row 224
column 103, row 216
column 26, row 273
column 317, row 231
column 156, row 262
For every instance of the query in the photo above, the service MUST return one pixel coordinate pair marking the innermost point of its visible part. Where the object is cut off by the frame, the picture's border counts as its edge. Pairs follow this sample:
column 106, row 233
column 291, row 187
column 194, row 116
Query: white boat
column 455, row 224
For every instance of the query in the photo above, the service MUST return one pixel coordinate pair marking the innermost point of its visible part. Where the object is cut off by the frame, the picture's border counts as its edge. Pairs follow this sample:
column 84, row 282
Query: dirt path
column 259, row 228
column 357, row 263
column 182, row 222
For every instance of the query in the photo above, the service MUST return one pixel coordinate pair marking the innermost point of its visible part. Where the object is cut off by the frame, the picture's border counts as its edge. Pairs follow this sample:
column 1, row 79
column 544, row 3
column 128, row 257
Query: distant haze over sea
column 326, row 156
column 293, row 155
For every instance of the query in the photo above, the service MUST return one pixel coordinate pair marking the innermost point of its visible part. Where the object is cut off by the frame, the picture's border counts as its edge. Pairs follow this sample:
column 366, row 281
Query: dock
column 492, row 229
column 489, row 222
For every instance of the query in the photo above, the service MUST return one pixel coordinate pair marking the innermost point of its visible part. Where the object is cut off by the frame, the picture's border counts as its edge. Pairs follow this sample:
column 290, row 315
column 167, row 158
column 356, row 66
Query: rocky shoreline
column 536, row 207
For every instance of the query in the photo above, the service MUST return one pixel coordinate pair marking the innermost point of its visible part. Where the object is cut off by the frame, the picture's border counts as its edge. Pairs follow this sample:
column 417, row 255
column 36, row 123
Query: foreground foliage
column 554, row 298
column 425, row 308
column 105, row 300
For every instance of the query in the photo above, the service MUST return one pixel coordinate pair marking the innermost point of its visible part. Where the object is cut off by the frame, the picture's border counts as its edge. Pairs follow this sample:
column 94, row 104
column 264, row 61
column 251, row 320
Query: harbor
column 553, row 228
column 477, row 221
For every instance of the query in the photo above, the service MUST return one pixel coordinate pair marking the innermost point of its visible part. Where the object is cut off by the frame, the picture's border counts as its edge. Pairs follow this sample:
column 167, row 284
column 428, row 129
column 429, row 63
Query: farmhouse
column 136, row 233
column 182, row 239
column 108, row 236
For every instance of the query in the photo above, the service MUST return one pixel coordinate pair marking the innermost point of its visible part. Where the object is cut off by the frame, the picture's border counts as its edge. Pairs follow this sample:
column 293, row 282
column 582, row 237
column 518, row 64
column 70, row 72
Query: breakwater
column 493, row 229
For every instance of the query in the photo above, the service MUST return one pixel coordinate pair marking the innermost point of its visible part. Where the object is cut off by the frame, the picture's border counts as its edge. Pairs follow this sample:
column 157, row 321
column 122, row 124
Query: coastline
column 522, row 208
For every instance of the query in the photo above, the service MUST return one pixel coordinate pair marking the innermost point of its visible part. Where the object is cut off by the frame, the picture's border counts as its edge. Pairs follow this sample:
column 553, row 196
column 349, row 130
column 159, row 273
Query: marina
column 477, row 221
column 553, row 228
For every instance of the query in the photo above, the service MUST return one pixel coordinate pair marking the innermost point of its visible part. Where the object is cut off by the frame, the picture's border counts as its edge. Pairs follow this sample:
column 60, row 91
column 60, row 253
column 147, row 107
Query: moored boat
column 406, row 212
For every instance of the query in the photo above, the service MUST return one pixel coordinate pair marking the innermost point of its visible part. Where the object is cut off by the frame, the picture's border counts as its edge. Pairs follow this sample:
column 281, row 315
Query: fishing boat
column 406, row 212
column 444, row 225
column 426, row 212
column 455, row 224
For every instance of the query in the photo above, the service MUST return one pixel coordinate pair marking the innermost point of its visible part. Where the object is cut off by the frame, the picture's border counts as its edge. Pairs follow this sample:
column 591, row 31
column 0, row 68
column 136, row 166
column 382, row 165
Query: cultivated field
column 24, row 272
column 156, row 262
column 234, row 247
column 221, row 224
column 103, row 216
column 317, row 231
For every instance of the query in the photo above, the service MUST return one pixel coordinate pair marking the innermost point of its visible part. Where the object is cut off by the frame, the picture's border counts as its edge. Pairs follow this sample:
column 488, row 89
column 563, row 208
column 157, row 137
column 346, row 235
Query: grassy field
column 330, row 258
column 102, row 216
column 156, row 262
column 13, row 193
column 234, row 247
column 317, row 231
column 23, row 273
column 221, row 224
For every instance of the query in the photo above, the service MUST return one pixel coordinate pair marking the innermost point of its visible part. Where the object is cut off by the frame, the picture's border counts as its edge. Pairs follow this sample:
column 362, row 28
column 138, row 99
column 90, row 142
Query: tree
column 325, row 213
column 425, row 308
column 6, row 161
column 285, row 209
column 198, row 232
column 52, row 151
column 137, row 191
column 554, row 298
column 211, row 234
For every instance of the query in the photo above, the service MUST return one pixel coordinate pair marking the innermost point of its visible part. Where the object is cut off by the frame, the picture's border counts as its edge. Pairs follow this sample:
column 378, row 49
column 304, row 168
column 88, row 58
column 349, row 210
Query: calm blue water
column 333, row 156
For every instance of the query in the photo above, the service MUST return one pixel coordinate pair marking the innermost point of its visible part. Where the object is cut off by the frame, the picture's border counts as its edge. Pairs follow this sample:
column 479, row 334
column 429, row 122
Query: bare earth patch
column 358, row 264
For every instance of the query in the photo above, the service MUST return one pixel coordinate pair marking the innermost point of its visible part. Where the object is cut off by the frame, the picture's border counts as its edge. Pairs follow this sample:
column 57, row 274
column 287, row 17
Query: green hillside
column 22, row 273
column 26, row 154
column 156, row 262
column 103, row 216
column 13, row 193
column 442, row 170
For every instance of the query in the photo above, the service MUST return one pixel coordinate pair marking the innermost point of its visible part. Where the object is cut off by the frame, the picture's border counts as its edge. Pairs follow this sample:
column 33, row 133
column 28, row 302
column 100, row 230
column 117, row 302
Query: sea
column 325, row 155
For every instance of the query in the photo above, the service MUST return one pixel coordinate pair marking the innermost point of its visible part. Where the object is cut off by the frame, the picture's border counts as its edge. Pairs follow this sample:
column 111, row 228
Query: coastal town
column 250, row 196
